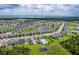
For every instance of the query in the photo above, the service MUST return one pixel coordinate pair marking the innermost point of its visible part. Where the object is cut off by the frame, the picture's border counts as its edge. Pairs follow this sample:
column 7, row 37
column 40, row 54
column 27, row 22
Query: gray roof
column 56, row 35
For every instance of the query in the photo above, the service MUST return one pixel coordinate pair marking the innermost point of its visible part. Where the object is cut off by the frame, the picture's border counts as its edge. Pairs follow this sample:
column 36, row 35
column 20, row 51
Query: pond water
column 43, row 49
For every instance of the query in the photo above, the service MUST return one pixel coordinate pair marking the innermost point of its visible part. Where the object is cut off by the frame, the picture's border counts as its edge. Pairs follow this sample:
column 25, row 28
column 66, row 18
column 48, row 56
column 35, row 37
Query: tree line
column 15, row 50
column 72, row 45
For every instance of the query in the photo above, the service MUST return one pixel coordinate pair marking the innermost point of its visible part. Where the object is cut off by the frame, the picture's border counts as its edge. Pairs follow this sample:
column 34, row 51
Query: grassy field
column 53, row 48
column 57, row 49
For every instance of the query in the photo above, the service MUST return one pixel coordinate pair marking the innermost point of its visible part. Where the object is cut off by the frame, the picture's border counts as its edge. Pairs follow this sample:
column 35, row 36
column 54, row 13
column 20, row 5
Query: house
column 43, row 41
column 34, row 41
column 56, row 36
column 74, row 32
column 77, row 28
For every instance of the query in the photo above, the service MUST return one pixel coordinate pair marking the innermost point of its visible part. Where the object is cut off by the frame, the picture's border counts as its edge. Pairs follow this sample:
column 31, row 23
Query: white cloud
column 44, row 9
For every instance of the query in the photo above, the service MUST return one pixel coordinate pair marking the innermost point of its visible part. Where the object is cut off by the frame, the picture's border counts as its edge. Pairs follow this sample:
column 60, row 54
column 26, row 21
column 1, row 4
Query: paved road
column 26, row 37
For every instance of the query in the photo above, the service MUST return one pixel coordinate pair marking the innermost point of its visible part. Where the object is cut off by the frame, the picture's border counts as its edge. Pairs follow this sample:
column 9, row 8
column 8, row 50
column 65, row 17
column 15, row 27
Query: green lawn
column 4, row 29
column 71, row 25
column 57, row 49
column 34, row 28
column 30, row 29
column 53, row 49
column 49, row 39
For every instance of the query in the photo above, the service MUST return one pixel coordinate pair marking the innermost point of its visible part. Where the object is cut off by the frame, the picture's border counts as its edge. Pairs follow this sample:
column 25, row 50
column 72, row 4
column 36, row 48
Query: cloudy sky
column 40, row 9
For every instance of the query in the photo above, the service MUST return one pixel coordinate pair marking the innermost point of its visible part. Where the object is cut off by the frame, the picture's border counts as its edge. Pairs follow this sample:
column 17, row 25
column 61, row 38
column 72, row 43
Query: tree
column 15, row 50
column 72, row 44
